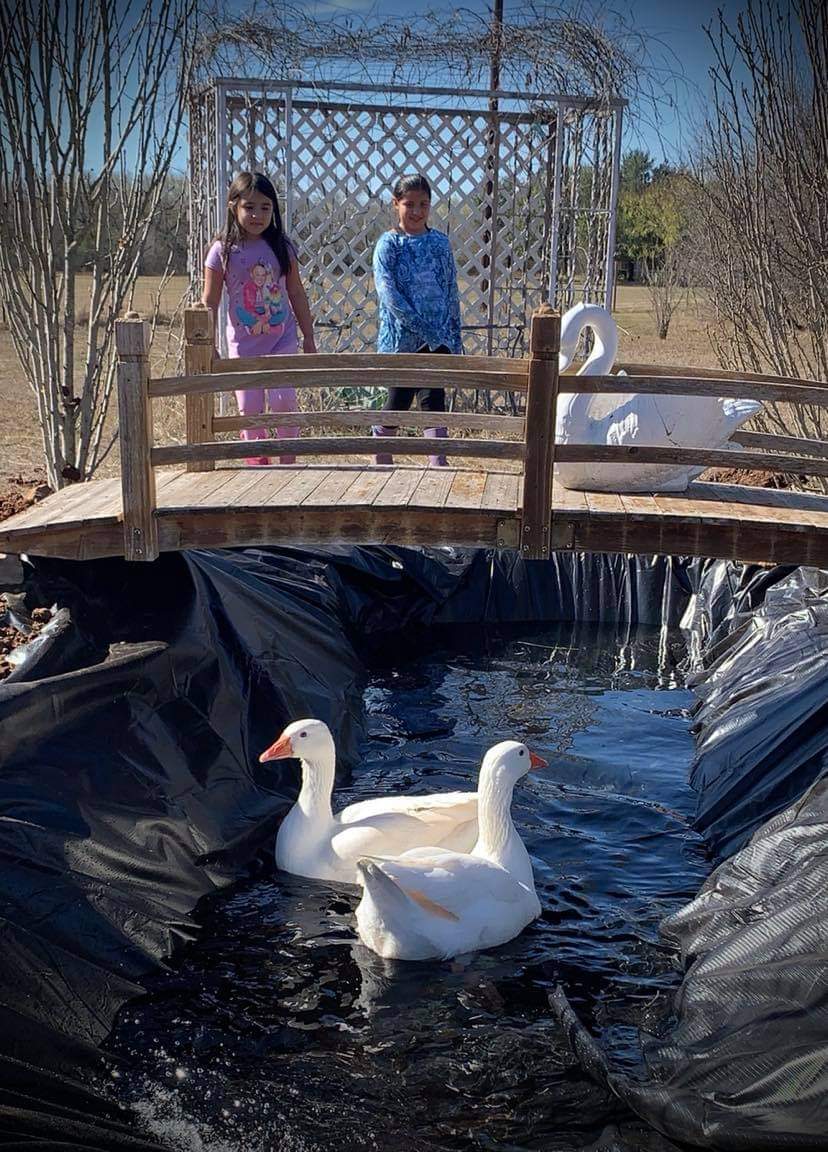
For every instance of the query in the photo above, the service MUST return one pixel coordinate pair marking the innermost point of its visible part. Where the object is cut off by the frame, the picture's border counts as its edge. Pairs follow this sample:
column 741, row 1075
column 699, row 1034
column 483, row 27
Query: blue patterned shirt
column 416, row 283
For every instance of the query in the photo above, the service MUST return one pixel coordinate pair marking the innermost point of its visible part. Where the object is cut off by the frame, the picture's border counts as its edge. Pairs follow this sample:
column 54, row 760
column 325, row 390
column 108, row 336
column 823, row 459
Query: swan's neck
column 314, row 800
column 494, row 819
column 601, row 358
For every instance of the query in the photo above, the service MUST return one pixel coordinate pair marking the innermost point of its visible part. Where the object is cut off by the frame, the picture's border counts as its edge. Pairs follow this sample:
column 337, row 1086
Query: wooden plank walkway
column 317, row 504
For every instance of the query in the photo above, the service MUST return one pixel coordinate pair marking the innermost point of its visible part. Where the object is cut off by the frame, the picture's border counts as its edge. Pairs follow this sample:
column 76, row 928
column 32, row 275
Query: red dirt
column 751, row 479
column 10, row 638
column 19, row 492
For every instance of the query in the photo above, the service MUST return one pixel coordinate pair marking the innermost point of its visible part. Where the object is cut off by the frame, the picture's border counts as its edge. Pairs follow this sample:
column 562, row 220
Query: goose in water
column 633, row 418
column 314, row 842
column 431, row 902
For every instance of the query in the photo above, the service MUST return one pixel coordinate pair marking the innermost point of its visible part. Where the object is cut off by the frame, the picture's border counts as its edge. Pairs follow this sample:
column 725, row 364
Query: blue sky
column 680, row 54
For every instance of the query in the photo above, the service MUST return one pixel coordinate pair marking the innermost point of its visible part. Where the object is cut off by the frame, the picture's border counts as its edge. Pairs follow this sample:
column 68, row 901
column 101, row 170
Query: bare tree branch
column 762, row 197
column 93, row 95
column 543, row 47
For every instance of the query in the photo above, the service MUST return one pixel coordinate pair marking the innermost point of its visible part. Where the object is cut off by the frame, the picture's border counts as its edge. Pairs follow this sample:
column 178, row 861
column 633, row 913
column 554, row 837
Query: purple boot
column 437, row 434
column 382, row 430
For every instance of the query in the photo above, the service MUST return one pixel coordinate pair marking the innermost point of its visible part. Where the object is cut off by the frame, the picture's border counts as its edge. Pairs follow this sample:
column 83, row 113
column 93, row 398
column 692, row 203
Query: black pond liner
column 130, row 789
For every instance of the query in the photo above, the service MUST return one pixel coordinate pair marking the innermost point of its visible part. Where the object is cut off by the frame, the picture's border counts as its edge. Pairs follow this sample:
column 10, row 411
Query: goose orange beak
column 281, row 750
column 536, row 761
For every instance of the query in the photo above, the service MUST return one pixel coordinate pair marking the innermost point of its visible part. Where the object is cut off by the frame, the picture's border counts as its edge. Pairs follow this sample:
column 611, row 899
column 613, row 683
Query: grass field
column 21, row 452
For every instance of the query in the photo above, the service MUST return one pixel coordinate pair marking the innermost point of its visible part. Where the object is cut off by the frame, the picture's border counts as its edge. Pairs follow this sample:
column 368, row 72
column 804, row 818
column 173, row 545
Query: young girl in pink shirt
column 256, row 264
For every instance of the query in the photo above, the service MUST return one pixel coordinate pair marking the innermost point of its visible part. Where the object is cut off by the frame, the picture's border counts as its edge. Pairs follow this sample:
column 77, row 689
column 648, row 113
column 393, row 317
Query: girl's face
column 254, row 211
column 412, row 212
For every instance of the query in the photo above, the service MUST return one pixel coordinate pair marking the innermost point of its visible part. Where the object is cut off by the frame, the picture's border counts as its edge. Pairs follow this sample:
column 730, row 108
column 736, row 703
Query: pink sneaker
column 257, row 461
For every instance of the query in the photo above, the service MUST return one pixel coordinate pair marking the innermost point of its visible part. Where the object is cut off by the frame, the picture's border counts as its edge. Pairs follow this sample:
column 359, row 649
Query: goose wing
column 392, row 833
column 457, row 883
column 457, row 806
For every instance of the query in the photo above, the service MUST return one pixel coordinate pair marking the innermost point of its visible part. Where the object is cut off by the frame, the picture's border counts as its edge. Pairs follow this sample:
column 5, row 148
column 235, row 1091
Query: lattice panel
column 202, row 189
column 525, row 164
column 256, row 139
column 334, row 164
column 586, row 166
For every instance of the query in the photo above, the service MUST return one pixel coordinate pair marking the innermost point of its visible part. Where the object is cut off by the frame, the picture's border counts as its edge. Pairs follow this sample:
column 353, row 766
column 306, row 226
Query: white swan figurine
column 659, row 421
column 430, row 902
column 314, row 842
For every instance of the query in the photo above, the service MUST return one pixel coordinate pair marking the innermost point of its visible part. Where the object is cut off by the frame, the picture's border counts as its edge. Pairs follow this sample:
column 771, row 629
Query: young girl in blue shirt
column 419, row 306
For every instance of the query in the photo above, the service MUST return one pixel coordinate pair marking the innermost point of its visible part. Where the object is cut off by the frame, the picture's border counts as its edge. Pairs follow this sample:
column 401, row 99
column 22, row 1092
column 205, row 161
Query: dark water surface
column 278, row 1031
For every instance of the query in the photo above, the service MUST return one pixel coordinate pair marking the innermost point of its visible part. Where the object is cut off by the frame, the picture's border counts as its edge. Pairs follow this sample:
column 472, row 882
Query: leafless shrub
column 92, row 98
column 763, row 198
column 665, row 280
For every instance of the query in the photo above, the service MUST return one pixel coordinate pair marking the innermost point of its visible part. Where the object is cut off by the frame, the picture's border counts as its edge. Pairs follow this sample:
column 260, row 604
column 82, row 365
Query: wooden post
column 132, row 340
column 199, row 342
column 541, row 405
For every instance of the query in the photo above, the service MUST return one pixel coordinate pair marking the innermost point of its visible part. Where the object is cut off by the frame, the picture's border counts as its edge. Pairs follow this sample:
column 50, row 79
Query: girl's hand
column 309, row 345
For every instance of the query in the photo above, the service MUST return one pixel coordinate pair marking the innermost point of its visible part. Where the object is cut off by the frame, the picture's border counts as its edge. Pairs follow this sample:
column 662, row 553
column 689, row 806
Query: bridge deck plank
column 502, row 491
column 330, row 492
column 434, row 487
column 246, row 487
column 365, row 487
column 311, row 502
column 466, row 490
column 400, row 487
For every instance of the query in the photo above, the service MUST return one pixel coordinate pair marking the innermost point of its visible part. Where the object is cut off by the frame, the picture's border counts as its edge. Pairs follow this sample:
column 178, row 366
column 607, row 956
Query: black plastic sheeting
column 746, row 1064
column 130, row 786
column 763, row 716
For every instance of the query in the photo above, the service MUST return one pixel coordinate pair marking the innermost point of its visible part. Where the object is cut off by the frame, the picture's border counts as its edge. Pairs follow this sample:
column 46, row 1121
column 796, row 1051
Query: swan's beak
column 536, row 761
column 281, row 750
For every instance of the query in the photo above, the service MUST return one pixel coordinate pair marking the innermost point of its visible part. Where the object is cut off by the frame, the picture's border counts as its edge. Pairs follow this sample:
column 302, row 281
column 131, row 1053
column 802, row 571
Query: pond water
column 277, row 1030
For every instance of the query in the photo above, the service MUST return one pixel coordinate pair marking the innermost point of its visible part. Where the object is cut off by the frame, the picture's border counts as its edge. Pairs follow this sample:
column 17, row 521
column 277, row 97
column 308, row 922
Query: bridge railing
column 532, row 442
column 532, row 434
column 791, row 454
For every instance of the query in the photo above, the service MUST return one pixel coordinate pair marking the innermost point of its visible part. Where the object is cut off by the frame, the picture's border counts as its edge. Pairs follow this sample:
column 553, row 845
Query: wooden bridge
column 500, row 495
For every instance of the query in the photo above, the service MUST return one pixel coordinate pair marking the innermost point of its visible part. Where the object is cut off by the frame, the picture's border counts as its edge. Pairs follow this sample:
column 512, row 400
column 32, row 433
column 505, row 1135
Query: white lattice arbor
column 525, row 185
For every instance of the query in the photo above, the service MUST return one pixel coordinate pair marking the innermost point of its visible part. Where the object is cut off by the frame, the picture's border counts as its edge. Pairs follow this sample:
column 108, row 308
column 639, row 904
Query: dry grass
column 21, row 450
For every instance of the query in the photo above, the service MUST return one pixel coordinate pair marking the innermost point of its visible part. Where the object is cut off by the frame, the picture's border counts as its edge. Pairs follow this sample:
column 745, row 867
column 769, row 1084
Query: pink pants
column 251, row 403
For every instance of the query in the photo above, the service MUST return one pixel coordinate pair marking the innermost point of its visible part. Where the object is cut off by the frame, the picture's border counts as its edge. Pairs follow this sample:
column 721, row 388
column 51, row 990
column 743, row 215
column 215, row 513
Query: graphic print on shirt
column 416, row 284
column 262, row 309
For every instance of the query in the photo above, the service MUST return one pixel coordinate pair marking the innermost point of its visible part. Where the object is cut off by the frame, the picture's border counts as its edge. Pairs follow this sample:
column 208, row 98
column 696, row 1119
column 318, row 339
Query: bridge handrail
column 458, row 376
column 792, row 445
column 537, row 377
column 455, row 375
column 396, row 360
column 205, row 375
column 690, row 457
column 766, row 388
column 336, row 446
column 367, row 418
column 706, row 374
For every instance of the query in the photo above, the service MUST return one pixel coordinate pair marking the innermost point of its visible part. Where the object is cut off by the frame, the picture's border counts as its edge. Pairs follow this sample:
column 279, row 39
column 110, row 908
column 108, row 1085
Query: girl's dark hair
column 413, row 182
column 274, row 234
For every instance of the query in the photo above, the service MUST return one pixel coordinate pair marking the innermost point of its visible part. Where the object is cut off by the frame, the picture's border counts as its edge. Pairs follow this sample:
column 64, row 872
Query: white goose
column 433, row 903
column 633, row 418
column 314, row 842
